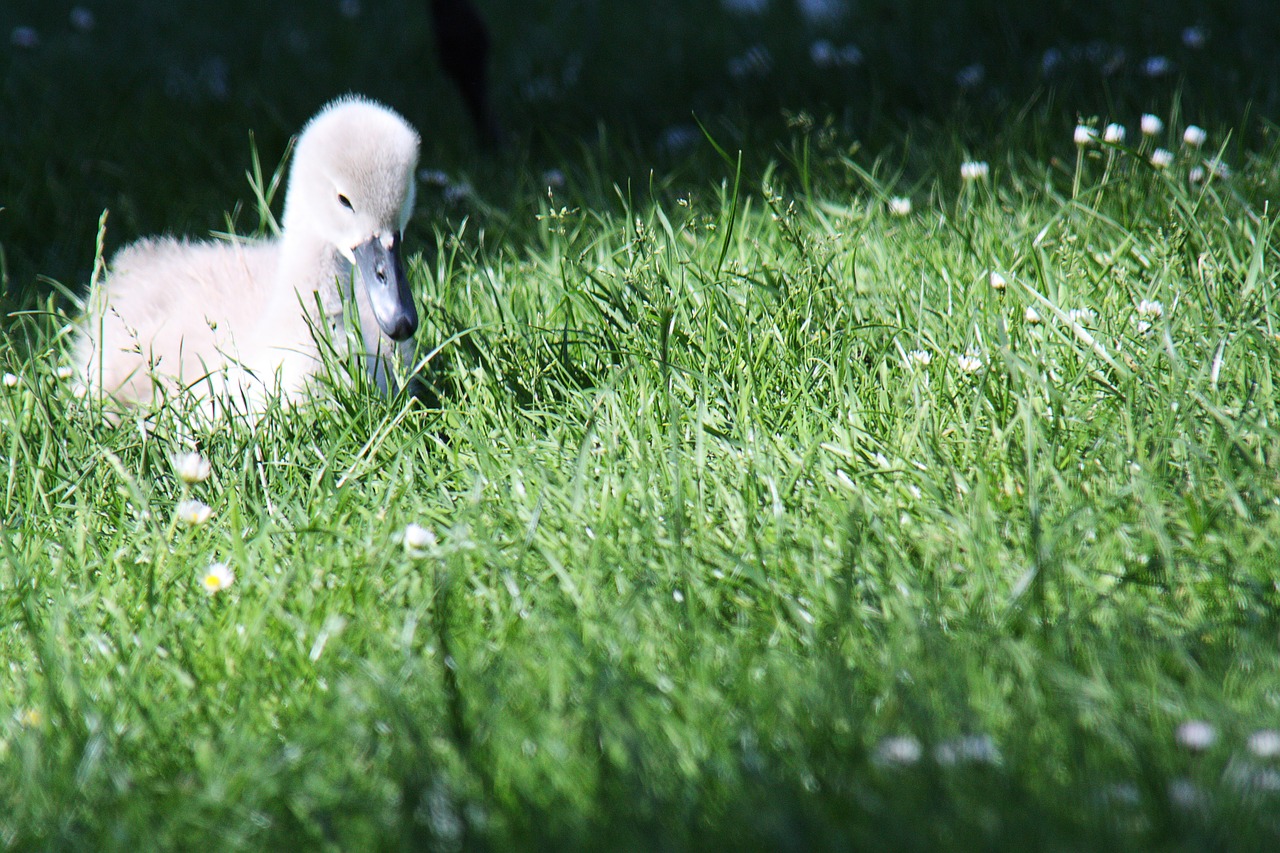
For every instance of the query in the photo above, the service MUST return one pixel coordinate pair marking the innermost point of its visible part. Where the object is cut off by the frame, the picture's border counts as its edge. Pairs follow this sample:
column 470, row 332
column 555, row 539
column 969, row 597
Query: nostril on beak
column 381, row 272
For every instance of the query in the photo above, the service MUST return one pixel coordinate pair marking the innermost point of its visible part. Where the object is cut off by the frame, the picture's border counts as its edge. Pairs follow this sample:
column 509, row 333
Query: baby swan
column 237, row 322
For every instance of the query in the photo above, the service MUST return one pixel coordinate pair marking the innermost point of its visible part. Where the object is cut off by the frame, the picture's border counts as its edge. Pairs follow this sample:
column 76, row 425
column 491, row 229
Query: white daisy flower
column 192, row 512
column 217, row 577
column 998, row 282
column 969, row 363
column 975, row 749
column 1082, row 316
column 898, row 750
column 418, row 540
column 974, row 170
column 434, row 177
column 971, row 76
column 24, row 37
column 191, row 467
column 1161, row 158
column 1265, row 743
column 919, row 358
column 1114, row 134
column 1084, row 135
column 1196, row 175
column 82, row 19
column 1032, row 316
column 1197, row 735
column 66, row 371
column 1150, row 308
column 10, row 380
column 900, row 206
column 1151, row 125
column 1156, row 66
column 1194, row 136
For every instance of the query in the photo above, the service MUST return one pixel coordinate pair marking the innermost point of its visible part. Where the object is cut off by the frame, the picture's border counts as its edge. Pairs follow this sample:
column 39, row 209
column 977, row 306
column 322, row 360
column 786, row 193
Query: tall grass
column 730, row 547
column 760, row 515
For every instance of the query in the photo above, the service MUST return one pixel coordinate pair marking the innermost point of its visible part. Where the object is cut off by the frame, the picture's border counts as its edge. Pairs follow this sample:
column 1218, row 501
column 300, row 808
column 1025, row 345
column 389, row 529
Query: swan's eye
column 345, row 202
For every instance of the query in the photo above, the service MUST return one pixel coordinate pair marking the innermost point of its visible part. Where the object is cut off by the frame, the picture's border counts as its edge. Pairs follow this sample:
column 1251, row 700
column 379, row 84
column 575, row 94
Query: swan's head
column 352, row 186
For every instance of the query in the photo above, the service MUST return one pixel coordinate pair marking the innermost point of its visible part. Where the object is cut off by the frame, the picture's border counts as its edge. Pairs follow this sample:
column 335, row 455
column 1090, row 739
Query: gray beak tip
column 382, row 273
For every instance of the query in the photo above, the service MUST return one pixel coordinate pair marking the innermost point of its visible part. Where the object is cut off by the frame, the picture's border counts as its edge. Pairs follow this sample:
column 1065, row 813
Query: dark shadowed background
column 145, row 108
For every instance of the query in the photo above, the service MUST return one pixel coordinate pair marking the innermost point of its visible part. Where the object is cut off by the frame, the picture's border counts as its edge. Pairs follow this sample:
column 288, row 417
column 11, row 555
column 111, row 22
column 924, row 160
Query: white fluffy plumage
column 236, row 322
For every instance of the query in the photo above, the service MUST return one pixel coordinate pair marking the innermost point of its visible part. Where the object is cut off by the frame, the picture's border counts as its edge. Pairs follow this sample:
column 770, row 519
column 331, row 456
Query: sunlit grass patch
column 821, row 502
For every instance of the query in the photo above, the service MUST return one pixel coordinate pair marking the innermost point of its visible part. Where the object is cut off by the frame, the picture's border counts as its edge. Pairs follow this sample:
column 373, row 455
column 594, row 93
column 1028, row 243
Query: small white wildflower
column 24, row 37
column 1187, row 795
column 1084, row 135
column 1196, row 174
column 1151, row 125
column 191, row 467
column 819, row 12
column 971, row 76
column 1219, row 168
column 65, row 371
column 434, row 178
column 1156, row 66
column 998, row 282
column 1082, row 316
column 1032, row 316
column 193, row 512
column 1194, row 136
column 10, row 380
column 1143, row 327
column 756, row 62
column 974, row 170
column 458, row 193
column 976, row 749
column 677, row 596
column 1161, row 158
column 897, row 751
column 900, row 205
column 82, row 19
column 968, row 363
column 679, row 138
column 553, row 179
column 919, row 358
column 1265, row 743
column 217, row 577
column 745, row 7
column 849, row 56
column 1114, row 134
column 823, row 53
column 1194, row 37
column 1150, row 308
column 1197, row 735
column 418, row 540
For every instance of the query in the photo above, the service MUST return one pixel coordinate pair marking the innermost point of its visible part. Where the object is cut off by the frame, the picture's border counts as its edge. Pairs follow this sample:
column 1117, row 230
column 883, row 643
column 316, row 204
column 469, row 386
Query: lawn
column 794, row 482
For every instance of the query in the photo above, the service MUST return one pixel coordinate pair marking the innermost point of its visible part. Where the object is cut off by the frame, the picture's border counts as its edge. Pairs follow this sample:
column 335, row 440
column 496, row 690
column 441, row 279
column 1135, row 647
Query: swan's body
column 238, row 322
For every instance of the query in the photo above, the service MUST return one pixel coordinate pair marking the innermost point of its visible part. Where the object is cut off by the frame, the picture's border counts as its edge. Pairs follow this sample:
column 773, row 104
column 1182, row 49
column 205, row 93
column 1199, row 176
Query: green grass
column 709, row 534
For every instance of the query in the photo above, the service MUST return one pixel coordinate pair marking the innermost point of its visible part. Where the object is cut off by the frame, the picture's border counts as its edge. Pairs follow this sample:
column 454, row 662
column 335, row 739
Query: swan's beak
column 378, row 262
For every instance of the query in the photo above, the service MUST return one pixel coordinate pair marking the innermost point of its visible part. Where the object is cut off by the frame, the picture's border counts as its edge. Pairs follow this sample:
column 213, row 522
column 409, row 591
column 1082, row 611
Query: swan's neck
column 313, row 270
column 309, row 266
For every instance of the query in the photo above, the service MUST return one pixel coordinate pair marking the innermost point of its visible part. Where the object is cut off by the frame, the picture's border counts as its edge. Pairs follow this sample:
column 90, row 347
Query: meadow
column 875, row 456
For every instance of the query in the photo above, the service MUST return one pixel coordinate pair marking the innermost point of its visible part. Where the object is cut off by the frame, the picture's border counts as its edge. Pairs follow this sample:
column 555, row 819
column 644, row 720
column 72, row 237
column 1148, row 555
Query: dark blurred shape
column 462, row 42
